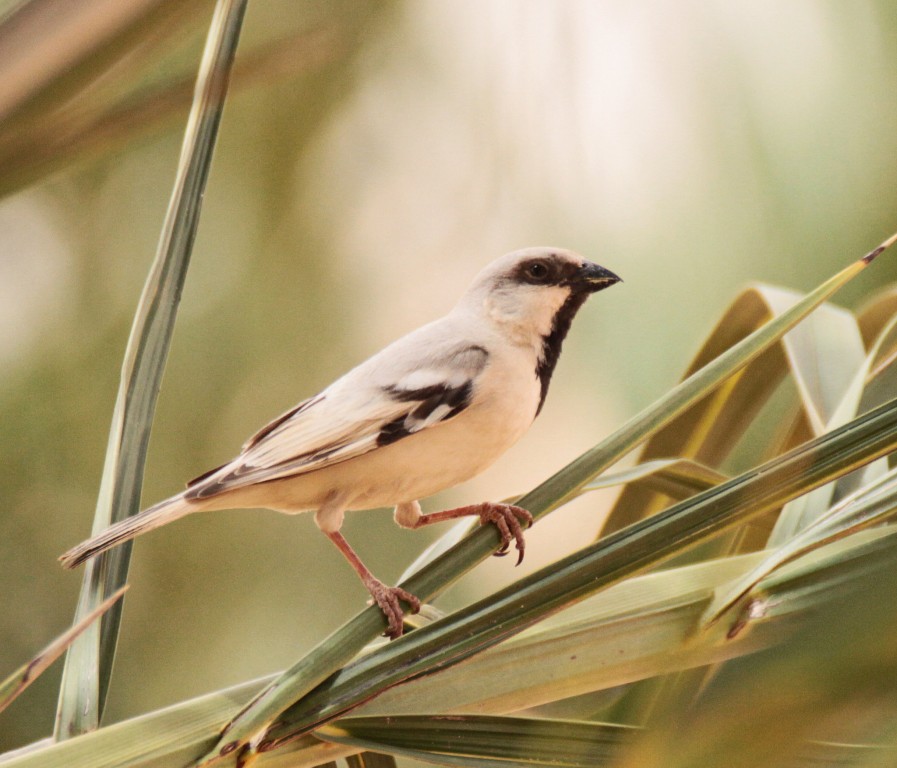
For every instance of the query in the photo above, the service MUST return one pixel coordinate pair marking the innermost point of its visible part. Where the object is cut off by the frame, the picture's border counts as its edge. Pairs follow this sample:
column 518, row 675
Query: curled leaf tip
column 873, row 254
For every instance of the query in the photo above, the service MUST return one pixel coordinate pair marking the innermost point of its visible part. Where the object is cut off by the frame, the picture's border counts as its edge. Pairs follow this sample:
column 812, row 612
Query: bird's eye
column 538, row 271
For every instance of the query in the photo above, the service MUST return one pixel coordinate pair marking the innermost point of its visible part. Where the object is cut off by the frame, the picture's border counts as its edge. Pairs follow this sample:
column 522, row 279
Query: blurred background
column 372, row 157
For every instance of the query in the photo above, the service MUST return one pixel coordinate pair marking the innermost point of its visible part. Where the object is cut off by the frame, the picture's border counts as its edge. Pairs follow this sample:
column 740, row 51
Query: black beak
column 590, row 277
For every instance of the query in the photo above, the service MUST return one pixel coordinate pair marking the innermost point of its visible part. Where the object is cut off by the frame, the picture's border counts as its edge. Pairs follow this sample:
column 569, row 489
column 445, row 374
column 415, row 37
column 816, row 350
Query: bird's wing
column 351, row 417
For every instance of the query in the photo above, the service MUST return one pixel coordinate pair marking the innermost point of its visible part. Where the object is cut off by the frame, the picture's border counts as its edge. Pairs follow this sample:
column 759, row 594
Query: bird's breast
column 502, row 408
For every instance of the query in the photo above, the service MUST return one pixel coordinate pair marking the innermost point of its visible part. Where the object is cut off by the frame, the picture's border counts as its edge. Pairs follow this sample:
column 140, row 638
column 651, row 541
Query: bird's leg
column 386, row 597
column 505, row 517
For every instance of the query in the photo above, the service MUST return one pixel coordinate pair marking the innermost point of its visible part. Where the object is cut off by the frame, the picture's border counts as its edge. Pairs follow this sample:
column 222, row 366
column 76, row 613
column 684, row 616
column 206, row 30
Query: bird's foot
column 388, row 599
column 507, row 519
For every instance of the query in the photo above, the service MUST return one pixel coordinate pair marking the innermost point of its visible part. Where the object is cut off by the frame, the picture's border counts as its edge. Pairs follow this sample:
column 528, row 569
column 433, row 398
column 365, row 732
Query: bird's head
column 531, row 292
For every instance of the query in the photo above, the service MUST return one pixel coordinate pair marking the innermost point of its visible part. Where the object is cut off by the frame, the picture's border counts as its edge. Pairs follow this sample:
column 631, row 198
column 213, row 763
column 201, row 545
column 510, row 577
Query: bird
column 429, row 411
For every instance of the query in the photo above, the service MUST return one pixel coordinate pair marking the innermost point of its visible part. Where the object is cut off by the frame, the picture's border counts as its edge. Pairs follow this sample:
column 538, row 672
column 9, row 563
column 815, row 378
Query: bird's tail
column 125, row 530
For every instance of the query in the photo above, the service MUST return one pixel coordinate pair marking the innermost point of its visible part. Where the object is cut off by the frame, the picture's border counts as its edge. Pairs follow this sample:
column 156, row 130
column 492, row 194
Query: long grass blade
column 487, row 622
column 89, row 661
column 652, row 616
column 675, row 478
column 18, row 681
column 516, row 742
column 338, row 649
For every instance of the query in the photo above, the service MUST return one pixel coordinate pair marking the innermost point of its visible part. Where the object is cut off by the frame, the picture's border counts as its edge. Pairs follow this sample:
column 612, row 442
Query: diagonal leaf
column 487, row 740
column 676, row 478
column 336, row 650
column 651, row 616
column 828, row 341
column 869, row 506
column 18, row 681
column 637, row 629
column 836, row 679
column 173, row 737
column 516, row 742
column 89, row 661
column 578, row 650
column 605, row 562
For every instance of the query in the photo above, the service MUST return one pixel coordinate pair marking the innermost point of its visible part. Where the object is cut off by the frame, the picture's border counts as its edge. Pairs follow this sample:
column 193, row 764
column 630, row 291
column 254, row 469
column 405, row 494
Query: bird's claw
column 387, row 598
column 507, row 519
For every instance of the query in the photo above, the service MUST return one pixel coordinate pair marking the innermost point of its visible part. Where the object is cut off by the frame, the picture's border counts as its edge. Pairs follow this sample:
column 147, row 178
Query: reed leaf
column 512, row 609
column 652, row 615
column 816, row 354
column 805, row 510
column 872, row 505
column 89, row 660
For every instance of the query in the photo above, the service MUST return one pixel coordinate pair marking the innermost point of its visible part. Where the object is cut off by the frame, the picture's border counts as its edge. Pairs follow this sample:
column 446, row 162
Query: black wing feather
column 452, row 399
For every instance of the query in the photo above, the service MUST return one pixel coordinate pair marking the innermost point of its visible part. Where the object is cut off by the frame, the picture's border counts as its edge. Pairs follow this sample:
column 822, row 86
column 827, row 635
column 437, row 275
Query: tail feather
column 125, row 530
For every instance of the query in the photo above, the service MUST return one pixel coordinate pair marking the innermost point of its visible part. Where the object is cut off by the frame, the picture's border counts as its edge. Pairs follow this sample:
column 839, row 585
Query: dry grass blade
column 89, row 661
column 18, row 681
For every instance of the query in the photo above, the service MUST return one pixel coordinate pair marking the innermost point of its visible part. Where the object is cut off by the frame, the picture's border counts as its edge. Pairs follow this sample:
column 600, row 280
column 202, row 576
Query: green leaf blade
column 89, row 661
column 605, row 562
